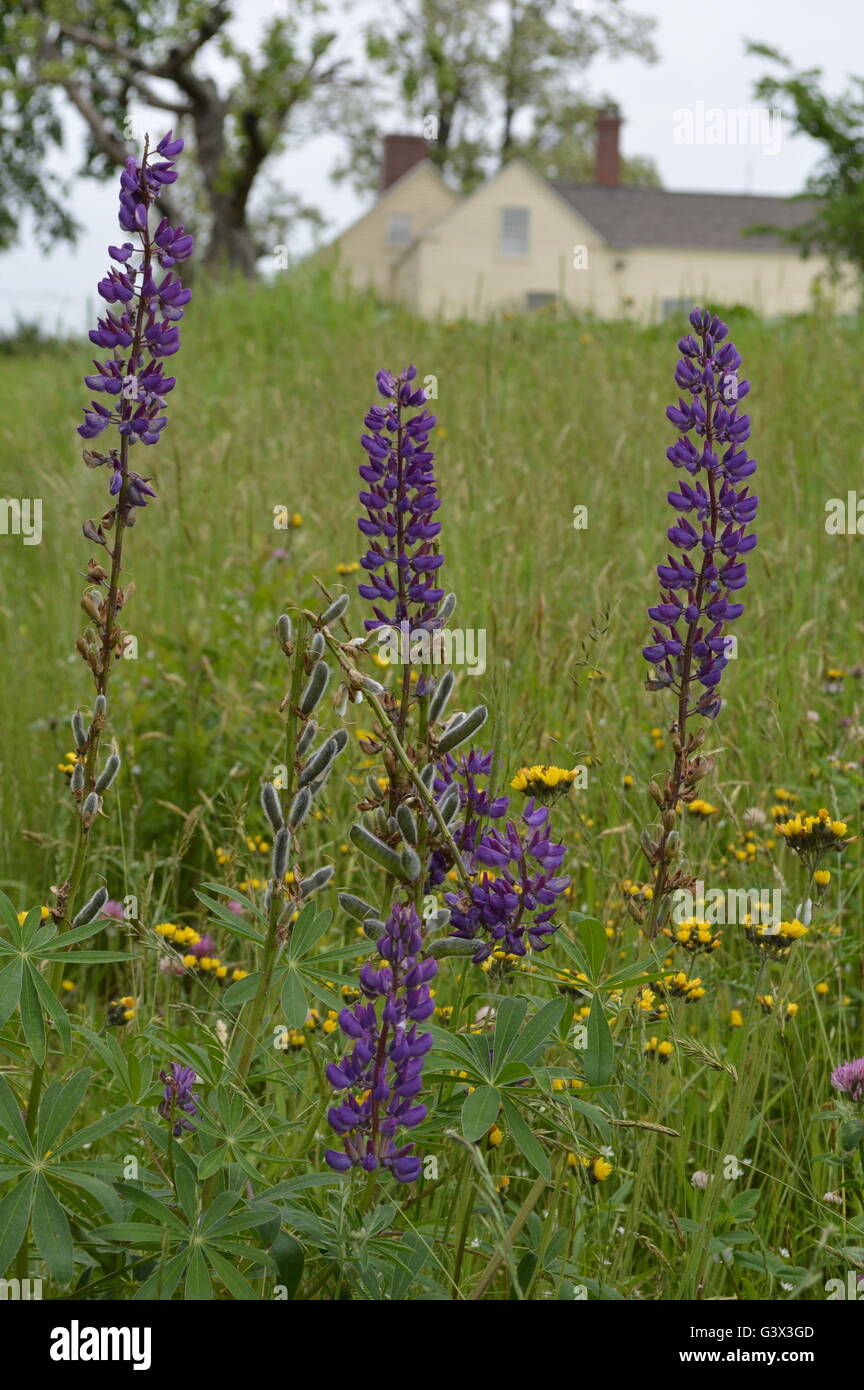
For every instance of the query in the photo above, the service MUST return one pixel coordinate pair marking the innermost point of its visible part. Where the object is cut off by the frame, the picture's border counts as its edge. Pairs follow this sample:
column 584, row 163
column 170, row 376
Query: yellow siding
column 455, row 268
column 364, row 251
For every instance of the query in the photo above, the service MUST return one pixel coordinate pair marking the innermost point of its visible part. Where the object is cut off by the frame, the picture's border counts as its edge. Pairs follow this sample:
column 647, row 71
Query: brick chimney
column 401, row 153
column 607, row 172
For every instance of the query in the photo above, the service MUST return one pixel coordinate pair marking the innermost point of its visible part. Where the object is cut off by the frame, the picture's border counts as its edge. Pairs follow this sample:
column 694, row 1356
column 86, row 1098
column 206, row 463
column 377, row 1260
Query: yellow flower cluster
column 544, row 783
column 121, row 1011
column 660, row 1051
column 704, row 809
column 766, row 1003
column 812, row 836
column 179, row 936
column 680, row 986
column 776, row 939
column 694, row 935
column 596, row 1169
column 67, row 767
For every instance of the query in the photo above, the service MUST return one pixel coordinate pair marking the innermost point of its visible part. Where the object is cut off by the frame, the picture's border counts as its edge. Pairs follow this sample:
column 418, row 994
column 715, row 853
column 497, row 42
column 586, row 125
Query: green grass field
column 536, row 416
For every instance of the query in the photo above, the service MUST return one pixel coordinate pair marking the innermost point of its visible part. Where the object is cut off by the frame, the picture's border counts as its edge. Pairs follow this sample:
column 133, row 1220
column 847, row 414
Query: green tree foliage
column 836, row 228
column 109, row 59
column 485, row 83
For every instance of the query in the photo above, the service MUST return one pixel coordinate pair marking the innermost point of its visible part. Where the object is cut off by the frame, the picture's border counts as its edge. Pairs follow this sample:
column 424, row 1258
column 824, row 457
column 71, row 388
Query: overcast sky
column 702, row 60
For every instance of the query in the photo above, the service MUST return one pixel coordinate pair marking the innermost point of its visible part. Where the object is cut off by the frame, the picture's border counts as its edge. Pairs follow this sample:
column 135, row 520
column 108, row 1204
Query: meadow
column 610, row 1165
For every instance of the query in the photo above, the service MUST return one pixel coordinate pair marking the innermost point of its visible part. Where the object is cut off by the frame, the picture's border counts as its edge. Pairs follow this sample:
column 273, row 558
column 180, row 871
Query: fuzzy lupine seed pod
column 306, row 738
column 315, row 688
column 299, row 808
column 373, row 927
column 316, row 881
column 320, row 763
column 410, row 862
column 284, row 629
column 461, row 727
column 446, row 609
column 79, row 731
column 375, row 849
column 281, row 846
column 108, row 773
column 317, row 644
column 90, row 909
column 335, row 611
column 272, row 806
column 407, row 824
column 441, row 695
column 90, row 809
column 78, row 778
column 100, row 708
column 356, row 907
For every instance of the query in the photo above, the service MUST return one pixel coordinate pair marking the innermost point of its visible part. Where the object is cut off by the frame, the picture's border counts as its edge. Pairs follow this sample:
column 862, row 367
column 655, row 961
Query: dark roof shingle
column 627, row 217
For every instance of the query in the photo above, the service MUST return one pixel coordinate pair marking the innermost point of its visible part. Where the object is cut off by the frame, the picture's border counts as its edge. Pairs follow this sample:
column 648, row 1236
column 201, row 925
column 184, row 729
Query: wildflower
column 141, row 324
column 596, row 1169
column 694, row 935
column 700, row 808
column 68, row 986
column 178, row 1099
column 121, row 1011
column 400, row 500
column 822, row 877
column 660, row 1051
column 543, row 783
column 813, row 836
column 700, row 1179
column 849, row 1078
column 383, row 1073
column 775, row 939
column 67, row 767
column 514, row 906
column 476, row 805
column 736, row 1018
column 696, row 599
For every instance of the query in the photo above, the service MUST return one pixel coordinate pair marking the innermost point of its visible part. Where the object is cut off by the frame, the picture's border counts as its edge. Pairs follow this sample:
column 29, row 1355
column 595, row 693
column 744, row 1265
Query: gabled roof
column 628, row 217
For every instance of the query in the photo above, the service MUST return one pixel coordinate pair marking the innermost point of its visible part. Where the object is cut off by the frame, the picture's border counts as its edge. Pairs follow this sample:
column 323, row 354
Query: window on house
column 515, row 231
column 540, row 299
column 399, row 231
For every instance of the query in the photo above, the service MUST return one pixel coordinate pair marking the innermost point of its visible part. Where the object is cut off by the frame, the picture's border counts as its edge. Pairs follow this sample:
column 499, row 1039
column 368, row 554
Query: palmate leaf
column 32, row 1018
column 59, row 1104
column 526, row 1140
column 14, row 1218
column 9, row 919
column 52, row 1007
column 307, row 931
column 10, row 989
column 51, row 1232
column 599, row 1060
column 479, row 1112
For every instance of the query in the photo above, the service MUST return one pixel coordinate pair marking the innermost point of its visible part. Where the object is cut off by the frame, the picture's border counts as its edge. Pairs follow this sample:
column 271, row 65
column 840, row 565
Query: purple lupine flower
column 697, row 597
column 475, row 802
column 178, row 1099
column 511, row 908
column 401, row 500
column 849, row 1077
column 140, row 329
column 382, row 1075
